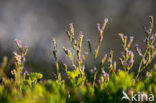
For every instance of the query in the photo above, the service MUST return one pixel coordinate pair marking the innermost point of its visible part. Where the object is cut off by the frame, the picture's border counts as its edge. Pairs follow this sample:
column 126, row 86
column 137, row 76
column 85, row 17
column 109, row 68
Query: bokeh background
column 36, row 21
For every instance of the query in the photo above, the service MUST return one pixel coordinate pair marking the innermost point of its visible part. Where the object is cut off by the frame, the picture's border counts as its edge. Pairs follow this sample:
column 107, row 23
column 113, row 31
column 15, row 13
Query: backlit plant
column 104, row 83
column 150, row 51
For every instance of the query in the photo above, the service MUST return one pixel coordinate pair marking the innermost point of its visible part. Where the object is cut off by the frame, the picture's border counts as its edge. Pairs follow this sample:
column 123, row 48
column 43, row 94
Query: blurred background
column 34, row 22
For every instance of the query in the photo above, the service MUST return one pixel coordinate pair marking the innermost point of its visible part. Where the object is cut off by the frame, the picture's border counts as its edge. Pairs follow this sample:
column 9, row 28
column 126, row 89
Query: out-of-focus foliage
column 105, row 84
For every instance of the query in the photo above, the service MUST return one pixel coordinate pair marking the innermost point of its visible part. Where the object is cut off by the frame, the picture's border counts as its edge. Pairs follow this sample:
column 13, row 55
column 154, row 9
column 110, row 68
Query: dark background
column 36, row 21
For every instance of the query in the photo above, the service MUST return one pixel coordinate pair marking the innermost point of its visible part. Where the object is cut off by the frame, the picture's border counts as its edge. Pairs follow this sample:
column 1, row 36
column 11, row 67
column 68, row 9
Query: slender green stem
column 140, row 65
column 57, row 68
column 94, row 78
column 73, row 56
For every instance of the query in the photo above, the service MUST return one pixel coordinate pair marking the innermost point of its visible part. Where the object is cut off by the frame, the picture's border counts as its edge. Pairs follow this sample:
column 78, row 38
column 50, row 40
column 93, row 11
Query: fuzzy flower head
column 17, row 58
column 106, row 74
column 137, row 45
column 145, row 40
column 152, row 37
column 106, row 20
column 131, row 37
column 18, row 43
column 98, row 25
column 121, row 34
column 147, row 31
column 92, row 71
column 26, row 72
column 122, row 53
column 13, row 72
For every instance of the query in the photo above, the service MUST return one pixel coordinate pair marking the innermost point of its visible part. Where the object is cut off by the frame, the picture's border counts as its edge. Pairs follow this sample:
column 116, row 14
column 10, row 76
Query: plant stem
column 139, row 70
